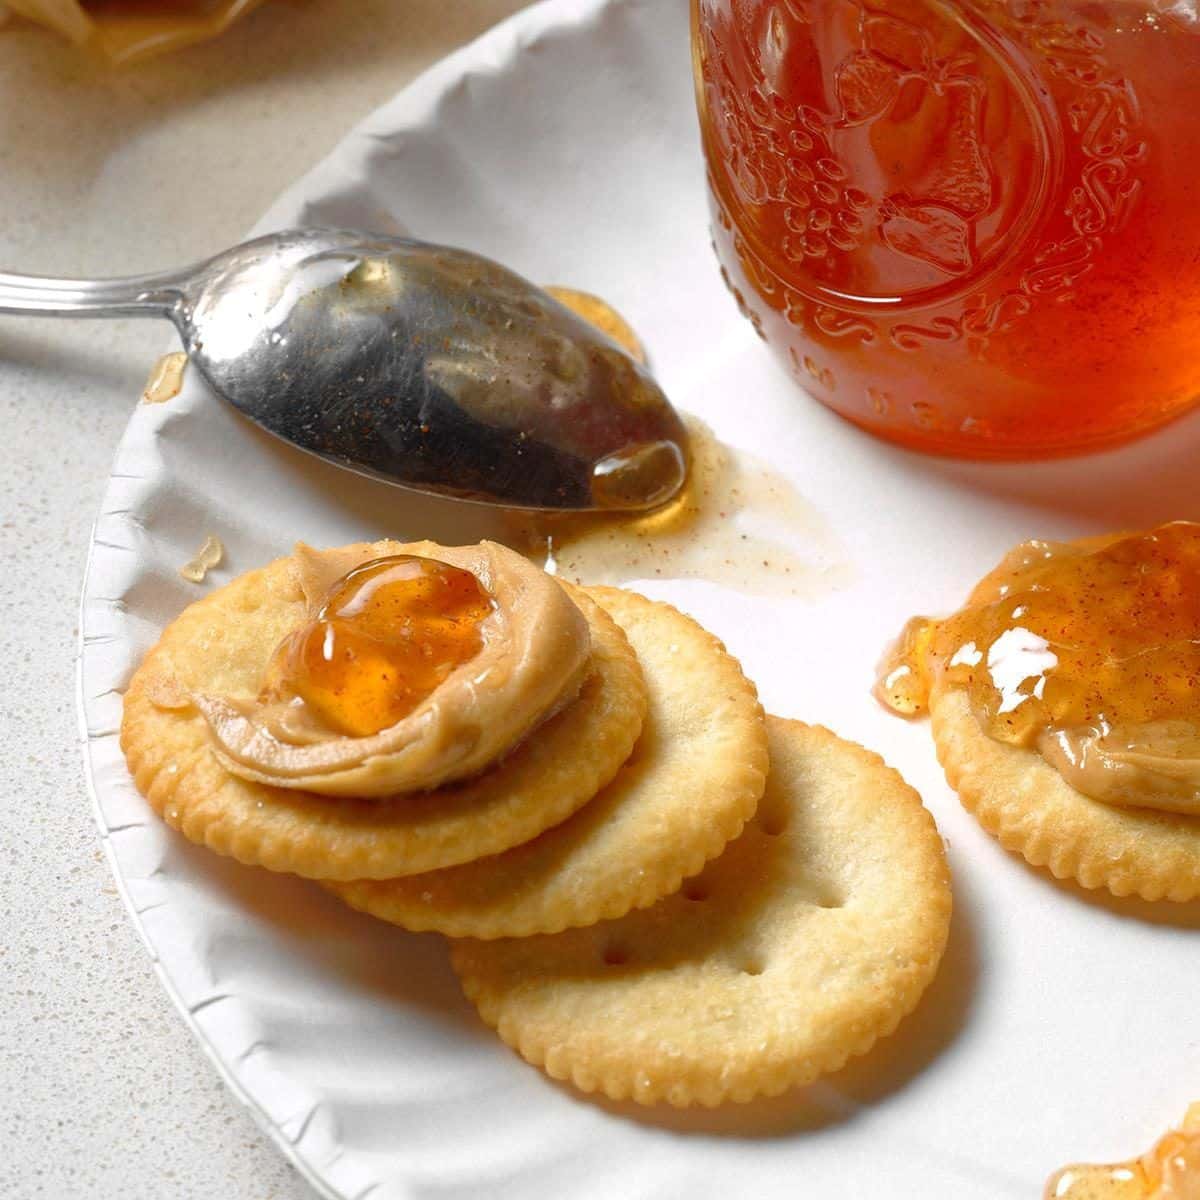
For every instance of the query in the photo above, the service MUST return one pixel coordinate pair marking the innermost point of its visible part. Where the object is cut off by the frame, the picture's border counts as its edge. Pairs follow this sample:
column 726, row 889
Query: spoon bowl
column 426, row 366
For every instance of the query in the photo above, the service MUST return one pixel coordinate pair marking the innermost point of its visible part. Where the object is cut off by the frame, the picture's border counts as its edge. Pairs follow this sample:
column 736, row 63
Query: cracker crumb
column 208, row 556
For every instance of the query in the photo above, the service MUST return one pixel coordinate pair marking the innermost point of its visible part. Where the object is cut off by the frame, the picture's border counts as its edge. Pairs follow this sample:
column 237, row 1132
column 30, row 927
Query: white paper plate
column 1062, row 1025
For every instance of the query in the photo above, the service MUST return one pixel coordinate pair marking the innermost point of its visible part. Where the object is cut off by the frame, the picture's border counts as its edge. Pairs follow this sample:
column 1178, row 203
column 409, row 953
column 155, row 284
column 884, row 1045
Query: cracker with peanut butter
column 1066, row 709
column 693, row 780
column 809, row 938
column 208, row 779
column 1019, row 798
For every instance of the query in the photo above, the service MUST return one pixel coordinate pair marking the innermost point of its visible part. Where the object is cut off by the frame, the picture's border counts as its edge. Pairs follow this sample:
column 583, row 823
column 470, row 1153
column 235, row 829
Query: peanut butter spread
column 413, row 669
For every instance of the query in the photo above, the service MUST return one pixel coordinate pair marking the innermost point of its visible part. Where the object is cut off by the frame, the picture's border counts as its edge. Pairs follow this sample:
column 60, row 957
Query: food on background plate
column 125, row 31
column 1065, row 704
column 631, row 753
column 1170, row 1170
column 807, row 940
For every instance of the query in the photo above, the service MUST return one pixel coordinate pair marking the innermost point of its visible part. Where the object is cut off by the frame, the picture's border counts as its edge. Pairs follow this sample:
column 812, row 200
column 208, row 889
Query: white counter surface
column 102, row 1091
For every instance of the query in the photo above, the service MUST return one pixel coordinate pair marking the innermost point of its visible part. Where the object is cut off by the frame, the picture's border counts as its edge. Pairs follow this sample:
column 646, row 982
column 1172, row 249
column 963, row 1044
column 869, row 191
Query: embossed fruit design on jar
column 971, row 226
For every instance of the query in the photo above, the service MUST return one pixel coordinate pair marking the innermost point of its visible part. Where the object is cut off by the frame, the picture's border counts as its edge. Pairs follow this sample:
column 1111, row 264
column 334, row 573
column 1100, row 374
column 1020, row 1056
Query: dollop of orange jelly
column 1065, row 636
column 1170, row 1171
column 387, row 634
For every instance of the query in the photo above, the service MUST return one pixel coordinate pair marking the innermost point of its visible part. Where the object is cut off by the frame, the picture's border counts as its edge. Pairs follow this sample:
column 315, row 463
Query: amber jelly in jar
column 969, row 226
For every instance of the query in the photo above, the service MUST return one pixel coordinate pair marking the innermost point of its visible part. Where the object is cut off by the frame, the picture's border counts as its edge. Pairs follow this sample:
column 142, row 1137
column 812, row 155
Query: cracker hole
column 773, row 824
column 753, row 966
column 695, row 891
column 616, row 956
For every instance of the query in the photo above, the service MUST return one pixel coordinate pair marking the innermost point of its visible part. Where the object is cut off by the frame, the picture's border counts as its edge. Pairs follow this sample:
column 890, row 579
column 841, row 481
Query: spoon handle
column 137, row 296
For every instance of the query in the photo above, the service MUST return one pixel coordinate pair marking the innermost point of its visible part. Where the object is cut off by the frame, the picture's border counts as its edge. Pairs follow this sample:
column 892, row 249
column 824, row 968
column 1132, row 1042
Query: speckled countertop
column 102, row 1091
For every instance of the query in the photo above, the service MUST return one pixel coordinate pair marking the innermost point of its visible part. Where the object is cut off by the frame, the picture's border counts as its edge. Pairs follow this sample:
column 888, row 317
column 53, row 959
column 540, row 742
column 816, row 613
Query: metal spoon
column 422, row 365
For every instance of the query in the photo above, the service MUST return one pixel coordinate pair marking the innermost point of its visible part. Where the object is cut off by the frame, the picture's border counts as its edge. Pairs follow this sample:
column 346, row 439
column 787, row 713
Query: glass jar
column 970, row 226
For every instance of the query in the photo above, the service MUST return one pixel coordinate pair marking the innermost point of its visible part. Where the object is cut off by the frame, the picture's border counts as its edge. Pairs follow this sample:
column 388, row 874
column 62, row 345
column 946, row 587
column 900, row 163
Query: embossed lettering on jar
column 969, row 226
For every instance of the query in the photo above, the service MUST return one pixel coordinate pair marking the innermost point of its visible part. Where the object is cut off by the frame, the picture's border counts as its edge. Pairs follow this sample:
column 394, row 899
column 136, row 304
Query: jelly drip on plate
column 737, row 522
column 1169, row 1171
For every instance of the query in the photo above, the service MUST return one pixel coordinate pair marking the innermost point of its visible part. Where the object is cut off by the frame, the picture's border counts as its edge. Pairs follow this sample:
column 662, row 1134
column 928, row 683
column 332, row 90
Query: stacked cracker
column 660, row 894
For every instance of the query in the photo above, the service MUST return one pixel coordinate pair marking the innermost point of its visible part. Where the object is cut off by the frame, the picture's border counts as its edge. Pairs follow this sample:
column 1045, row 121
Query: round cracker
column 694, row 779
column 1024, row 802
column 221, row 644
column 807, row 940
